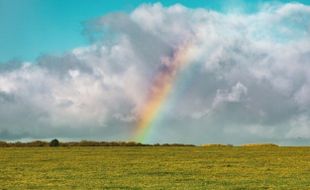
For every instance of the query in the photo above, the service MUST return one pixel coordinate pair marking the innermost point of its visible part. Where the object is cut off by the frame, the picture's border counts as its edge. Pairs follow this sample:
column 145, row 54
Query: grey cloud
column 246, row 80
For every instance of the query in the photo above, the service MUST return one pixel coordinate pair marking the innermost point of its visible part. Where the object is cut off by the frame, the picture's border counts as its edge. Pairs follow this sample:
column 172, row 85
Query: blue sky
column 33, row 27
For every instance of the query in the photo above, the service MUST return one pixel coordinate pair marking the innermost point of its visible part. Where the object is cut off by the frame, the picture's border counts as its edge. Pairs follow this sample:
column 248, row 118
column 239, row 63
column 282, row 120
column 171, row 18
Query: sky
column 34, row 27
column 155, row 71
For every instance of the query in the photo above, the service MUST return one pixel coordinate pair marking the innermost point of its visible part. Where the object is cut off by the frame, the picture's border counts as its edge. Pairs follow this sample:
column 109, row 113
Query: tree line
column 57, row 143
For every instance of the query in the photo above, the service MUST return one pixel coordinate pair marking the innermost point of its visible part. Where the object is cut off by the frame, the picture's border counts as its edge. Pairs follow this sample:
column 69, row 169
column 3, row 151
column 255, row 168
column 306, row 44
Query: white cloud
column 247, row 78
column 234, row 95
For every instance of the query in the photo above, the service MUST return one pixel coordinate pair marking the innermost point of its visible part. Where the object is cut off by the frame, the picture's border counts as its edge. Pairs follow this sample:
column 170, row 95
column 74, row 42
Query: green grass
column 155, row 168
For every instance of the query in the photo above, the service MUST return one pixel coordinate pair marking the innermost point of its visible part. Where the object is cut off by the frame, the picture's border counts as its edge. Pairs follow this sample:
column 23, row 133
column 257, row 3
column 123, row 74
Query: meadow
column 154, row 167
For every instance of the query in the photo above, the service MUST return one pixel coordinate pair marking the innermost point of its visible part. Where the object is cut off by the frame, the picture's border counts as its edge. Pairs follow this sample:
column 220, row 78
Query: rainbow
column 160, row 89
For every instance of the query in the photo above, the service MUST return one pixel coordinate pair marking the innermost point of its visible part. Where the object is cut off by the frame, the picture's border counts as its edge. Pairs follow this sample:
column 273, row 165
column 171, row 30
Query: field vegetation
column 154, row 167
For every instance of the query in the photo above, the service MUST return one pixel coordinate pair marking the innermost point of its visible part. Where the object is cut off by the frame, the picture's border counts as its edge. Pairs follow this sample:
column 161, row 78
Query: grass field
column 155, row 168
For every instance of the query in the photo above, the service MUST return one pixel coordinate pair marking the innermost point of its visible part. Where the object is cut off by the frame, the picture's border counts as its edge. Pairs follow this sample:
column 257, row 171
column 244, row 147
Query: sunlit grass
column 155, row 168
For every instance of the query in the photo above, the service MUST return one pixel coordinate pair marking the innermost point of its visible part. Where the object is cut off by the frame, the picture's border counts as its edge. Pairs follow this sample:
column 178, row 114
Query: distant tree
column 36, row 144
column 3, row 144
column 54, row 143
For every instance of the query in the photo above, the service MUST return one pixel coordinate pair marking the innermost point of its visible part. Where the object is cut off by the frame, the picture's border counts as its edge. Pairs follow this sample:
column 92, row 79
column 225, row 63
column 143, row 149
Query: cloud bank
column 247, row 79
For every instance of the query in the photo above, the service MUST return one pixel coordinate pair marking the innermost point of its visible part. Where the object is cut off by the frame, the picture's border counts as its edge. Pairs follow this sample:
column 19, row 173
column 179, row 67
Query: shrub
column 54, row 143
column 3, row 144
column 36, row 144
